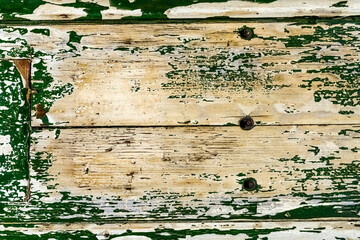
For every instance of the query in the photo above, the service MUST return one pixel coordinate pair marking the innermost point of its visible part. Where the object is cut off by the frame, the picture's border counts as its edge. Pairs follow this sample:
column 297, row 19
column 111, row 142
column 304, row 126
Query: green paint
column 74, row 41
column 340, row 4
column 295, row 159
column 155, row 8
column 42, row 31
column 22, row 31
column 32, row 232
column 314, row 149
column 197, row 71
column 343, row 112
column 93, row 10
column 48, row 89
column 214, row 73
column 14, row 134
column 57, row 133
column 345, row 91
column 10, row 8
column 346, row 132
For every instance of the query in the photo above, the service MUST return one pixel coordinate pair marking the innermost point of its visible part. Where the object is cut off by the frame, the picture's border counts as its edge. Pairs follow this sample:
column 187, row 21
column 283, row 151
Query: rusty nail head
column 246, row 33
column 250, row 184
column 247, row 123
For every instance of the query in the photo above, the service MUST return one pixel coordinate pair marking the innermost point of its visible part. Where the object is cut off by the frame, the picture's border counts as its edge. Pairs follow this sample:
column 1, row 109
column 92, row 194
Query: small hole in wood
column 247, row 123
column 250, row 184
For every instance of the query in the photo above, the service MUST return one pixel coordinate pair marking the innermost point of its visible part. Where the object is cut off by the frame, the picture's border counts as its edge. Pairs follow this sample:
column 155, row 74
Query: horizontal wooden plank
column 180, row 230
column 161, row 9
column 14, row 130
column 288, row 74
column 195, row 74
column 192, row 173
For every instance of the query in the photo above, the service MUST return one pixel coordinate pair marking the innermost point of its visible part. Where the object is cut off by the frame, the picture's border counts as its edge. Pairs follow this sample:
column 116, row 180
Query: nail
column 247, row 123
column 246, row 33
column 250, row 184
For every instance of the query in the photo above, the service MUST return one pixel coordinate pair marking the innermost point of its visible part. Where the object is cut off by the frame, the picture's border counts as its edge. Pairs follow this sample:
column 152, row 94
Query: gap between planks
column 189, row 126
column 174, row 221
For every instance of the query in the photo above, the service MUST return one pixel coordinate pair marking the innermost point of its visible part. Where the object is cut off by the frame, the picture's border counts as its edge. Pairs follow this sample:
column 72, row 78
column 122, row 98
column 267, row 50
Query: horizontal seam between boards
column 303, row 19
column 332, row 220
column 188, row 126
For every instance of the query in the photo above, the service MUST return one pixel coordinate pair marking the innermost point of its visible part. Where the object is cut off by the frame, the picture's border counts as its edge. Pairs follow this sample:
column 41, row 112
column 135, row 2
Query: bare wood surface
column 193, row 172
column 196, row 74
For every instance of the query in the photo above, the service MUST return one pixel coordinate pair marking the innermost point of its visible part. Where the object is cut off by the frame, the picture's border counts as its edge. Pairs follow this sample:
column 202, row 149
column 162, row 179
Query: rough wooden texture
column 14, row 133
column 88, row 76
column 192, row 172
column 198, row 74
column 174, row 9
column 180, row 230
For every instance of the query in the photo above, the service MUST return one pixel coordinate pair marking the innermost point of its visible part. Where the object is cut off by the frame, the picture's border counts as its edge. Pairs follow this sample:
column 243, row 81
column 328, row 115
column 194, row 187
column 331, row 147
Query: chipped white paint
column 176, row 166
column 51, row 9
column 279, row 8
column 5, row 146
column 298, row 230
column 55, row 12
column 115, row 13
column 127, row 63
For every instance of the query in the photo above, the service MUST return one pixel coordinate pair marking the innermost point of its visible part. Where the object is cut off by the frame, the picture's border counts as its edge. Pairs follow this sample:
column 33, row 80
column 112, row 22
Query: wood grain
column 196, row 74
column 193, row 172
column 191, row 230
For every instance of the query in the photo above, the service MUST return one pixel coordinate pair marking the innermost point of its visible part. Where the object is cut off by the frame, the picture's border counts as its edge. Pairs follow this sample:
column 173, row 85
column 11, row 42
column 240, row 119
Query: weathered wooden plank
column 161, row 9
column 196, row 74
column 288, row 74
column 180, row 230
column 191, row 172
column 14, row 130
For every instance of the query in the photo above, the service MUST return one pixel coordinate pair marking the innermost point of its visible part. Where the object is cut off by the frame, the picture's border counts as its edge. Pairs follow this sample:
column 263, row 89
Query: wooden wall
column 121, row 119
